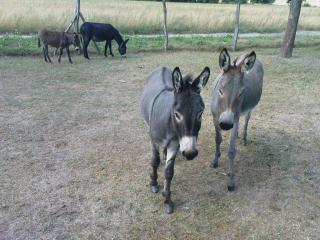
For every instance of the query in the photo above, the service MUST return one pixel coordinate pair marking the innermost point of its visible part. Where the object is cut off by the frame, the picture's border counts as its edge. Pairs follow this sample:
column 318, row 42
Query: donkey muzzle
column 188, row 147
column 226, row 120
column 190, row 155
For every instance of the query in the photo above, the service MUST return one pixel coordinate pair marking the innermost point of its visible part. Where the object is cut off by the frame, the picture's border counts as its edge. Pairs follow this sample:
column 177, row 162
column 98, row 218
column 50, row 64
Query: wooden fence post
column 165, row 29
column 236, row 30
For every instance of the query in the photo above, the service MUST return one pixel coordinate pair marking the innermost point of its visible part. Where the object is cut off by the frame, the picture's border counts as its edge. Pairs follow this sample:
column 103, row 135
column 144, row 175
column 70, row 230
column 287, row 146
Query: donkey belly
column 99, row 37
column 253, row 82
column 160, row 119
column 155, row 104
column 249, row 102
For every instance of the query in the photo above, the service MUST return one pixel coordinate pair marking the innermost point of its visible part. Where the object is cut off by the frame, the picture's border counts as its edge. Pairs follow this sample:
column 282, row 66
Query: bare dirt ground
column 74, row 154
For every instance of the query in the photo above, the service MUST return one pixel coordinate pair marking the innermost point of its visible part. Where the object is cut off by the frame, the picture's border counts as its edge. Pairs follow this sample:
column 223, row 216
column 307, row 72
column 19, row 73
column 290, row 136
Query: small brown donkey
column 237, row 90
column 59, row 40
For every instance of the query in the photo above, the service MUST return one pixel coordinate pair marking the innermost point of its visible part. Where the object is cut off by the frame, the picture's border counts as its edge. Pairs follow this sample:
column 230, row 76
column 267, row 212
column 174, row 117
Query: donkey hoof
column 169, row 208
column 231, row 188
column 214, row 165
column 155, row 189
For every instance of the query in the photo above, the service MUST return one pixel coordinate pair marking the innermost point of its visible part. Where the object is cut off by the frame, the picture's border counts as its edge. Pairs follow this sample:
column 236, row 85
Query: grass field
column 16, row 45
column 75, row 153
column 132, row 17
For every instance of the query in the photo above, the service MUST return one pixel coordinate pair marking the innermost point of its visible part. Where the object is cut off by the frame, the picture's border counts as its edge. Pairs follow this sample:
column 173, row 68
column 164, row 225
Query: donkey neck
column 118, row 38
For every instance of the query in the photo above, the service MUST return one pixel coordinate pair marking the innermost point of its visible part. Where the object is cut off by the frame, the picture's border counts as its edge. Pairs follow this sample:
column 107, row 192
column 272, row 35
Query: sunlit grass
column 146, row 17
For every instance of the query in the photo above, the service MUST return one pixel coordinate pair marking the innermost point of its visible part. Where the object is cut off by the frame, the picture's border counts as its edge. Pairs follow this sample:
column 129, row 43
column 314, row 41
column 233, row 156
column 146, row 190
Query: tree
column 165, row 29
column 290, row 35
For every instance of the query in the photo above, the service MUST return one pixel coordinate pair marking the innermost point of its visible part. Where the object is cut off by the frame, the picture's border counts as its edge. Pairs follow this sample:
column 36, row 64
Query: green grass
column 16, row 45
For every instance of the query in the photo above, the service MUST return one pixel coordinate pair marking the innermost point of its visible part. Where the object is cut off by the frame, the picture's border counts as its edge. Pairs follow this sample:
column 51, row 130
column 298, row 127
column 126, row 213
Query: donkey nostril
column 190, row 155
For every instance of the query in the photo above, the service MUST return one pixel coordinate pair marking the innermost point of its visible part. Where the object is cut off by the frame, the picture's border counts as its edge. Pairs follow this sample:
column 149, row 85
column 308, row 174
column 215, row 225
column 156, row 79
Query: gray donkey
column 237, row 90
column 172, row 108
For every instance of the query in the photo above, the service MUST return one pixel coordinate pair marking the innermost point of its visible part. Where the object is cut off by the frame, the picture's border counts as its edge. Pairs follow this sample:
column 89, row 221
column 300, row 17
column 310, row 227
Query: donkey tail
column 39, row 44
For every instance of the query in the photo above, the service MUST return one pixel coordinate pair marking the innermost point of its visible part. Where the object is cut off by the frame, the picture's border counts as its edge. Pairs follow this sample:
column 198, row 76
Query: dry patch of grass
column 146, row 17
column 75, row 154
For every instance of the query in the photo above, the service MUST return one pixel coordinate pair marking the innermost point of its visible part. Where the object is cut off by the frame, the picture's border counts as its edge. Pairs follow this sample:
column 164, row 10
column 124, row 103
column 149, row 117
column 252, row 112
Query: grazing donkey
column 59, row 40
column 237, row 90
column 100, row 32
column 172, row 108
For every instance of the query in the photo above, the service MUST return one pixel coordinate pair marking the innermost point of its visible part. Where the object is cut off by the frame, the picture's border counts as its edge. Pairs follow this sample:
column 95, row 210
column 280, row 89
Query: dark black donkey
column 100, row 32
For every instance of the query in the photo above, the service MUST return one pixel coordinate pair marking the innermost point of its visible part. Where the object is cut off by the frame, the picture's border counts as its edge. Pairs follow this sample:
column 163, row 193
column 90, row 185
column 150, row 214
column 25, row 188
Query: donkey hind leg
column 245, row 130
column 60, row 54
column 168, row 173
column 47, row 53
column 44, row 53
column 218, row 138
column 155, row 162
column 68, row 52
column 232, row 151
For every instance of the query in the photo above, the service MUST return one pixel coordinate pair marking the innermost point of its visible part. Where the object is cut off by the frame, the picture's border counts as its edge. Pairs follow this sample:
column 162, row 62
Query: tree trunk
column 165, row 29
column 237, row 28
column 290, row 35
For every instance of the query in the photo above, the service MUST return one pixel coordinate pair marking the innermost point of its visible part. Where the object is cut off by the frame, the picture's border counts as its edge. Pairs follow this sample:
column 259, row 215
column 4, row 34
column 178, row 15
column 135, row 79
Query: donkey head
column 123, row 48
column 76, row 41
column 231, row 86
column 187, row 110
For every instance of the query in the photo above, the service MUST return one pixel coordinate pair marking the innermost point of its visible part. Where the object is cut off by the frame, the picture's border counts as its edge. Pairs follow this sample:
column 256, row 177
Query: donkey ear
column 202, row 79
column 224, row 60
column 126, row 41
column 177, row 79
column 247, row 62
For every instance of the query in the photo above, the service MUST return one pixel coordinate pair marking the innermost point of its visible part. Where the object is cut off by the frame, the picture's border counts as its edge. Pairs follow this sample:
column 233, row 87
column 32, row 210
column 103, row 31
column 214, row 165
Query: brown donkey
column 59, row 40
column 237, row 90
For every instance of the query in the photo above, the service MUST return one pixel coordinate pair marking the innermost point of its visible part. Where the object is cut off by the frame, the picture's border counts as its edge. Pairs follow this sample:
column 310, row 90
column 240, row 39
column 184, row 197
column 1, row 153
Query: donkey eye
column 199, row 116
column 240, row 93
column 220, row 92
column 178, row 116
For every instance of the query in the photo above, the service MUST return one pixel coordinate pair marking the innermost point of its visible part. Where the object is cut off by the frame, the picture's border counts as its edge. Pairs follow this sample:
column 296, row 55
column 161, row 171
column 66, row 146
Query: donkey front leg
column 245, row 130
column 105, row 49
column 168, row 173
column 44, row 53
column 68, row 52
column 155, row 162
column 218, row 138
column 60, row 54
column 86, row 41
column 47, row 53
column 232, row 151
column 110, row 49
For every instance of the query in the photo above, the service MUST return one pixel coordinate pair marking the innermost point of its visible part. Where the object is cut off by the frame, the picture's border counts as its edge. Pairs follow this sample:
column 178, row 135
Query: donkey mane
column 188, row 79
